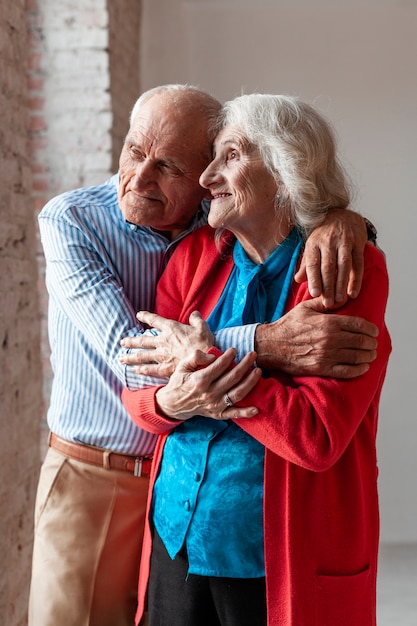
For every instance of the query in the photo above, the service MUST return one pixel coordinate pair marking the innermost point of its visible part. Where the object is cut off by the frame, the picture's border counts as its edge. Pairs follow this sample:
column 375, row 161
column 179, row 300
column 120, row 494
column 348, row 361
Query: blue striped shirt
column 100, row 271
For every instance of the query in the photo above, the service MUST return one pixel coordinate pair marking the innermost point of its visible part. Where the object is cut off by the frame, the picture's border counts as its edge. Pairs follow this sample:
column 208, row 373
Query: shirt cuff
column 240, row 337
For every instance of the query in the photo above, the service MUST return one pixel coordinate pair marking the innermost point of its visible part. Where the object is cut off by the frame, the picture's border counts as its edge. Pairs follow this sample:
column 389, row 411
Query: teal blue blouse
column 209, row 491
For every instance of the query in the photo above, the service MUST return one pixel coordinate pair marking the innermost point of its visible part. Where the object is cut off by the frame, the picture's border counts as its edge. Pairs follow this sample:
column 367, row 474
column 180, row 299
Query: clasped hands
column 200, row 383
column 305, row 341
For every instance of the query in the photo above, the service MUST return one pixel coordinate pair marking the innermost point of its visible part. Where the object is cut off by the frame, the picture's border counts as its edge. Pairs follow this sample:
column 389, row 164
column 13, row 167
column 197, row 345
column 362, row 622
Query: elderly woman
column 271, row 518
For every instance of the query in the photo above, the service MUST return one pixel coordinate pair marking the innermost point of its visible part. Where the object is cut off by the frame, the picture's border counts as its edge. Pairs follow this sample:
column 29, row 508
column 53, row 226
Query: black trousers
column 175, row 599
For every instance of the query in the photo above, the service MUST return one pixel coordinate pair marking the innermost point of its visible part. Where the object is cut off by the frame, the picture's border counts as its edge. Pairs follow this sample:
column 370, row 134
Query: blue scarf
column 257, row 292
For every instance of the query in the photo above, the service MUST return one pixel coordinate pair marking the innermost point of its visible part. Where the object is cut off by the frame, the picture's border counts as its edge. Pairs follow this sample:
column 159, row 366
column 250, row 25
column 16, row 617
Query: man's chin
column 142, row 215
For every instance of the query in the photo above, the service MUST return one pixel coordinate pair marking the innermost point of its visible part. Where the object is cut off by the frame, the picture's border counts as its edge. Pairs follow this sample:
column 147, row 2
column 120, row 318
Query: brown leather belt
column 136, row 465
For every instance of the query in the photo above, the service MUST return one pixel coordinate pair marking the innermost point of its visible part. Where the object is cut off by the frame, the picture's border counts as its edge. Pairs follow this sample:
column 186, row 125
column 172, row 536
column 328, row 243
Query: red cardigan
column 321, row 520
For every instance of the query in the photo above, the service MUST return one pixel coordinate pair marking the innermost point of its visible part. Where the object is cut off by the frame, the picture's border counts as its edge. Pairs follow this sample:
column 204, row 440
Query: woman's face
column 243, row 190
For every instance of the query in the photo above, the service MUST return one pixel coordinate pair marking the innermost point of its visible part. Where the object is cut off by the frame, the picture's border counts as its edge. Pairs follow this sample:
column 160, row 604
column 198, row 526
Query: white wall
column 356, row 60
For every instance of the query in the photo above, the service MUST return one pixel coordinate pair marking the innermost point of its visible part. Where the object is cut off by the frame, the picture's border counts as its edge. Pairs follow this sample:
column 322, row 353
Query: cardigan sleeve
column 192, row 280
column 307, row 420
column 311, row 420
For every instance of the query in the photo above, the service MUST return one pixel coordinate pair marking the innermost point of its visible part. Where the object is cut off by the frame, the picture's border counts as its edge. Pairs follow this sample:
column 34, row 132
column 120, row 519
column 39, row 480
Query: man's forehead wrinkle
column 158, row 136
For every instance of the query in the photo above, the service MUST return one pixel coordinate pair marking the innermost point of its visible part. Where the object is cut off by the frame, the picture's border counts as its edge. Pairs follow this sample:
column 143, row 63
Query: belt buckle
column 138, row 467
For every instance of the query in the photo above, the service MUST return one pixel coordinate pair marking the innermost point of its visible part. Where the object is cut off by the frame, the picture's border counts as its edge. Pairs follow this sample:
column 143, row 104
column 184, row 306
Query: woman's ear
column 282, row 197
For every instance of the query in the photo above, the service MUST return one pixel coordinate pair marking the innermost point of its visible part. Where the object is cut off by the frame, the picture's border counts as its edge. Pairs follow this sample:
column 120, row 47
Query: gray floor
column 397, row 585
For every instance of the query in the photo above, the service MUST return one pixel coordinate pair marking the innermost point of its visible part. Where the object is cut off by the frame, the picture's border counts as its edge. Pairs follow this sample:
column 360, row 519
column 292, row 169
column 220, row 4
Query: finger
column 328, row 277
column 356, row 274
column 357, row 325
column 356, row 356
column 195, row 318
column 197, row 322
column 139, row 357
column 237, row 413
column 301, row 275
column 152, row 319
column 344, row 267
column 315, row 304
column 232, row 377
column 208, row 363
column 239, row 392
column 348, row 372
column 313, row 272
column 132, row 342
column 164, row 370
column 141, row 342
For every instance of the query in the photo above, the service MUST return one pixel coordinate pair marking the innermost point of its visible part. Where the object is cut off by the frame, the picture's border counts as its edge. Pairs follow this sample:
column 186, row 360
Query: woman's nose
column 208, row 177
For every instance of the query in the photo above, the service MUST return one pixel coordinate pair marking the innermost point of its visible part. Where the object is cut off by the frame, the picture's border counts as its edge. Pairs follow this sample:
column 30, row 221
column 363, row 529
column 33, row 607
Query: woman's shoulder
column 374, row 257
column 204, row 235
column 207, row 240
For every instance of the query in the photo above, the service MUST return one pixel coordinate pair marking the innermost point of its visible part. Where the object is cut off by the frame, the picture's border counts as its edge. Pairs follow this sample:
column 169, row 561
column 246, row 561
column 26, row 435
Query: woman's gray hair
column 298, row 148
column 182, row 96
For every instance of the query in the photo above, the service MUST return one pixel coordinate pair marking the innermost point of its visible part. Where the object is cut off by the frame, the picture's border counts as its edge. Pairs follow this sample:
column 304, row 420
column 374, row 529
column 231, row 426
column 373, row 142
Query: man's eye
column 135, row 152
column 170, row 169
column 232, row 155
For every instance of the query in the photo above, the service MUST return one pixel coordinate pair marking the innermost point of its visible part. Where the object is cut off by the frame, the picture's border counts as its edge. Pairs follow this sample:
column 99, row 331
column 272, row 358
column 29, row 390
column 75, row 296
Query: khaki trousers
column 88, row 536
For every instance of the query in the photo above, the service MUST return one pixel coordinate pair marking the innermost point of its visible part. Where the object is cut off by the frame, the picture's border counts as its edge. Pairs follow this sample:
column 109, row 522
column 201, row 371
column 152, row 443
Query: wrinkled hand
column 306, row 341
column 338, row 244
column 200, row 381
column 158, row 355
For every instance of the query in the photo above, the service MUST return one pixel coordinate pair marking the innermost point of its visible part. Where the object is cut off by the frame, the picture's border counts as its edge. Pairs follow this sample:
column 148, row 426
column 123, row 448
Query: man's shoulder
column 79, row 200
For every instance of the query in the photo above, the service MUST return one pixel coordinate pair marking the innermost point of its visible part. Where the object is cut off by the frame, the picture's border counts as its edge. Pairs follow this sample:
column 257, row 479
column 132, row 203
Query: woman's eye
column 232, row 155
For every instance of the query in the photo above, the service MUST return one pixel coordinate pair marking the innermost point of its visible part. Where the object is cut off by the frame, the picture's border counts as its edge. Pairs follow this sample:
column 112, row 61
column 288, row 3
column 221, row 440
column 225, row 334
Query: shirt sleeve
column 240, row 337
column 84, row 286
column 138, row 381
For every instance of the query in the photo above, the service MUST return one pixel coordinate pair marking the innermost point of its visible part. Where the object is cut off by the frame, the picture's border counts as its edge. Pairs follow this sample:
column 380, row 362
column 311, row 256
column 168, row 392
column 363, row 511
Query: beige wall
column 357, row 62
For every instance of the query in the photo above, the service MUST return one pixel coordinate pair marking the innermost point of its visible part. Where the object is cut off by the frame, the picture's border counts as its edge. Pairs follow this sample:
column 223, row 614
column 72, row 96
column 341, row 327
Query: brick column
column 20, row 380
column 84, row 79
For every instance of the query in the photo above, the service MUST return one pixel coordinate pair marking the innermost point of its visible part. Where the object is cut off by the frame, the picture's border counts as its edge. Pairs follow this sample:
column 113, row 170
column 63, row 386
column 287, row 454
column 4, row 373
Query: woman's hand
column 205, row 385
column 159, row 354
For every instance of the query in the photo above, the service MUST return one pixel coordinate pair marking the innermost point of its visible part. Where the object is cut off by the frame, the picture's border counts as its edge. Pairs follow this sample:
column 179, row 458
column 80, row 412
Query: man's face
column 163, row 156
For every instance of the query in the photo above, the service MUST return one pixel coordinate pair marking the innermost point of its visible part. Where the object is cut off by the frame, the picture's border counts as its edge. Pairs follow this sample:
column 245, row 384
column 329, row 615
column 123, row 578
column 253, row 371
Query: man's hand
column 333, row 257
column 158, row 355
column 306, row 342
column 200, row 382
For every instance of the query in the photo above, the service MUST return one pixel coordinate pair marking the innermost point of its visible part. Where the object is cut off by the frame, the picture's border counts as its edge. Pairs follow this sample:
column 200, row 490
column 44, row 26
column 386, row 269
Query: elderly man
column 105, row 248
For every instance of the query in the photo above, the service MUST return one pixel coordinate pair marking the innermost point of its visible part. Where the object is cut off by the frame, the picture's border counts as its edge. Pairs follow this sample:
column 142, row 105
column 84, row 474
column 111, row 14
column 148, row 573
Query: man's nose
column 144, row 173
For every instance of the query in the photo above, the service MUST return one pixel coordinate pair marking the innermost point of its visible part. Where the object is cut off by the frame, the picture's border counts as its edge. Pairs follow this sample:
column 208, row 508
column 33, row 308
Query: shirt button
column 196, row 477
column 187, row 505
